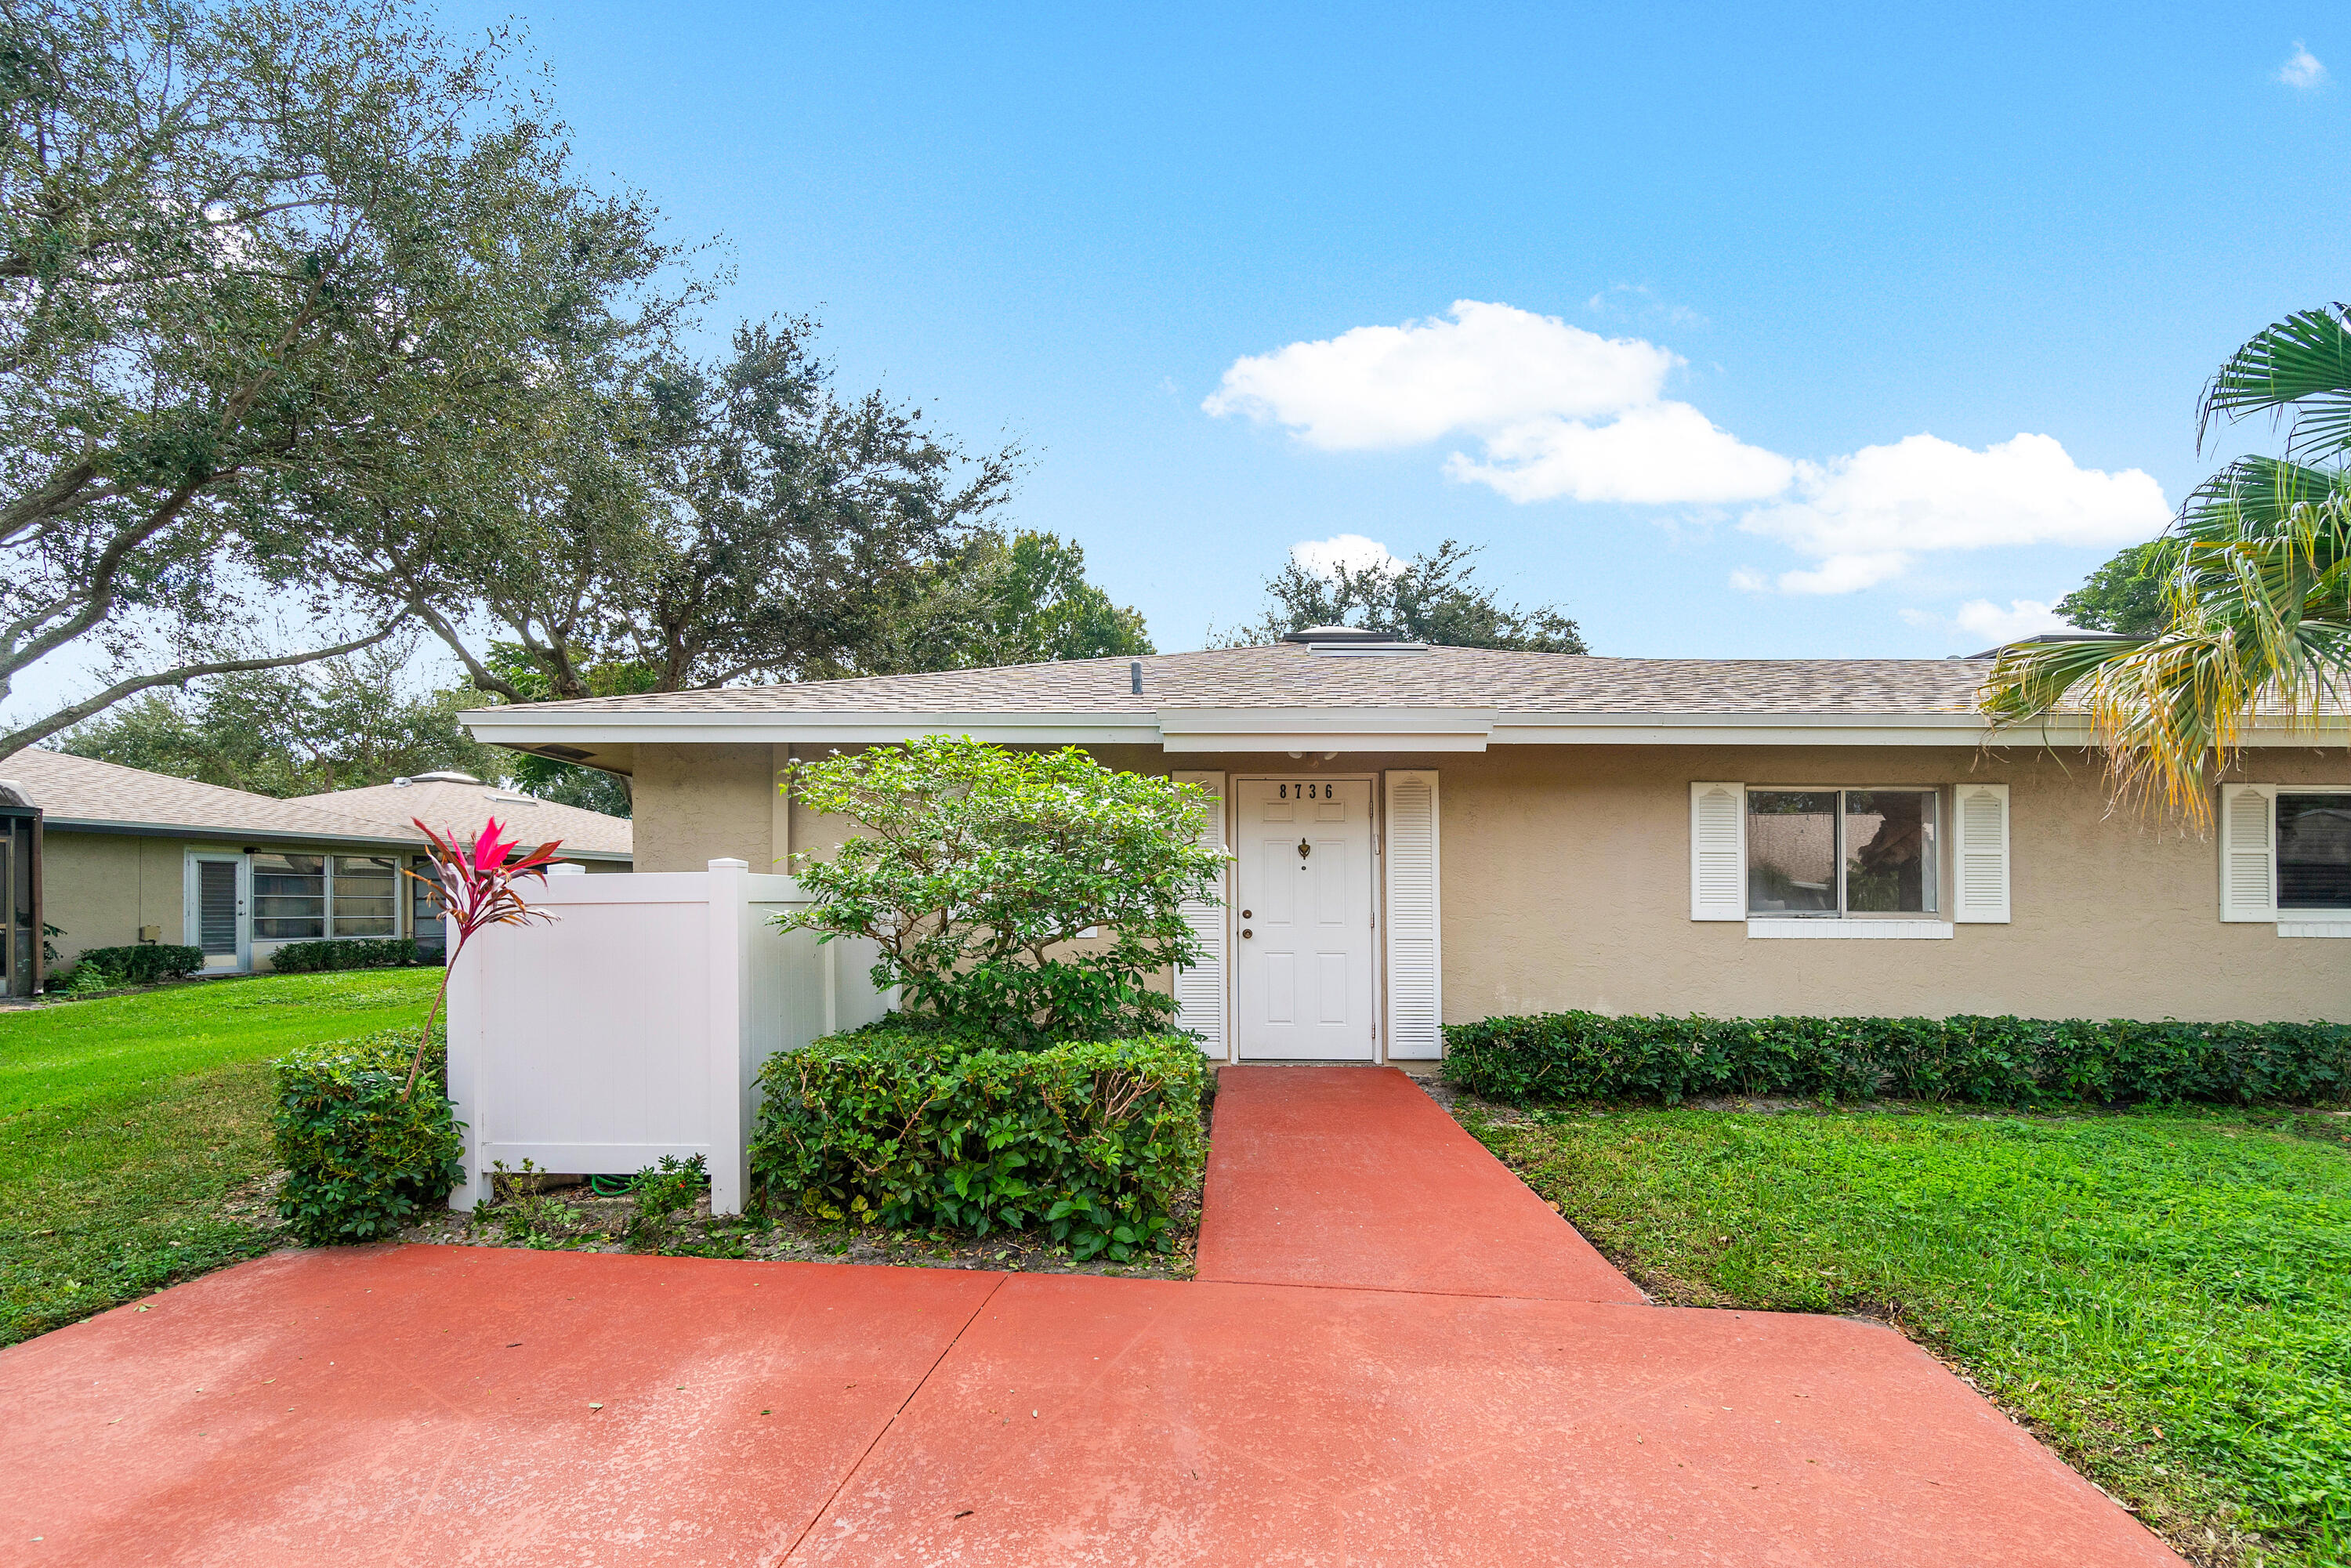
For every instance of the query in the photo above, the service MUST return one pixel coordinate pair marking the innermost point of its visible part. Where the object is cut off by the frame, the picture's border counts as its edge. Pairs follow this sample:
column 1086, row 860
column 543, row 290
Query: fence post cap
column 730, row 864
column 567, row 868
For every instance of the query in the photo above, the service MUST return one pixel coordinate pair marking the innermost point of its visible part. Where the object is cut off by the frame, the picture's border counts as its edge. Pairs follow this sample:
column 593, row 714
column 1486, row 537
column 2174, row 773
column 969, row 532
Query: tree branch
column 65, row 717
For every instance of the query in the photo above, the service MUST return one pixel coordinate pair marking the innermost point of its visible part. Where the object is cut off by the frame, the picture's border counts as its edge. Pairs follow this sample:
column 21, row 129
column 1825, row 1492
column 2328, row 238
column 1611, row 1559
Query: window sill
column 1878, row 930
column 2315, row 926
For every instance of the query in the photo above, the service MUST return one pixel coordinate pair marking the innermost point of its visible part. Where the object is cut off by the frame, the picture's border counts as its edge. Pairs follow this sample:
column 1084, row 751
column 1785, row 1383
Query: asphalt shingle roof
column 72, row 790
column 1290, row 675
column 447, row 804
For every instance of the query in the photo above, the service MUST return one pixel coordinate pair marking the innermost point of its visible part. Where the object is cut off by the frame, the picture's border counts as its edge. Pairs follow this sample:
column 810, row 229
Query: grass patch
column 2167, row 1297
column 134, row 1130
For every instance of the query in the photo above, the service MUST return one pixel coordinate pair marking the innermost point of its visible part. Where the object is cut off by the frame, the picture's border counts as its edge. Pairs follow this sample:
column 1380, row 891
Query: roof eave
column 1363, row 729
column 215, row 831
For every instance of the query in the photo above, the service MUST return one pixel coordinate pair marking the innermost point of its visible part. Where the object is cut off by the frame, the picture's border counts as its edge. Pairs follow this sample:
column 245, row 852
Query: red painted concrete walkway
column 1355, row 1177
column 471, row 1405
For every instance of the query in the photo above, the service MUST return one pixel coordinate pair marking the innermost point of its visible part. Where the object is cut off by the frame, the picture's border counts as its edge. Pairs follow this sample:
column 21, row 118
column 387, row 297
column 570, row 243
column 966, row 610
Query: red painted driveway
column 437, row 1405
column 1416, row 1399
column 1209, row 1424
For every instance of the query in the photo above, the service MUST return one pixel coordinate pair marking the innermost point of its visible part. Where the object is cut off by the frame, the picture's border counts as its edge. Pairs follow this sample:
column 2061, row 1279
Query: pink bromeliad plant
column 473, row 886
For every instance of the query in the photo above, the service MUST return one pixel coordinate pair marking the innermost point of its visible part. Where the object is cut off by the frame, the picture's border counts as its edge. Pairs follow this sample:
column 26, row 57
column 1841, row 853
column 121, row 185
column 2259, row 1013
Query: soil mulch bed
column 575, row 1219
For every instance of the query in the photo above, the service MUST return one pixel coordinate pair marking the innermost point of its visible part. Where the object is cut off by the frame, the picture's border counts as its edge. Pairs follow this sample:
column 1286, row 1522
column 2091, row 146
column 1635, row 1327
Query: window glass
column 1792, row 851
column 2314, row 851
column 289, row 897
column 365, row 898
column 1889, row 847
column 424, row 914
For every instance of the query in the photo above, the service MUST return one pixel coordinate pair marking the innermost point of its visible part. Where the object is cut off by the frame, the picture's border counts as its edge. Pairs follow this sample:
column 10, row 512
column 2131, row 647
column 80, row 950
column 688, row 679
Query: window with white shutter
column 2248, row 857
column 1717, row 851
column 1200, row 1004
column 1415, row 949
column 1979, row 854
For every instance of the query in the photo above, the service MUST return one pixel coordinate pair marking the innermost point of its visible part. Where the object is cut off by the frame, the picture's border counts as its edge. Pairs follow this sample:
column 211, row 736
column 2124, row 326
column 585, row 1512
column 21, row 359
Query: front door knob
column 1246, row 932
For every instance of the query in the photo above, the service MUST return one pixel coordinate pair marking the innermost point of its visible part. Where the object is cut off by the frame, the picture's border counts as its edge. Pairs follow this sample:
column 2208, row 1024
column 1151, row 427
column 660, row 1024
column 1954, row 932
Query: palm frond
column 2260, row 604
column 2299, row 367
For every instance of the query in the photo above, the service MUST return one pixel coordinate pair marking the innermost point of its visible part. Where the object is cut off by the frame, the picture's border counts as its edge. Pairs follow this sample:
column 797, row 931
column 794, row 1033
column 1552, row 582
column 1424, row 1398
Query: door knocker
column 1304, row 849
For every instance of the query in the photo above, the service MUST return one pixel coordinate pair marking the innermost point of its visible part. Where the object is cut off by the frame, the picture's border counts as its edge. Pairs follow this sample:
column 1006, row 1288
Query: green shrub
column 1088, row 1143
column 140, row 963
column 980, row 870
column 344, row 953
column 361, row 1161
column 1972, row 1060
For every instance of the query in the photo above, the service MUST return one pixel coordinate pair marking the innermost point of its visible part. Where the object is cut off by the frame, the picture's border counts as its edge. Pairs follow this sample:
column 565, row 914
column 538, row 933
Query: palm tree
column 2257, row 602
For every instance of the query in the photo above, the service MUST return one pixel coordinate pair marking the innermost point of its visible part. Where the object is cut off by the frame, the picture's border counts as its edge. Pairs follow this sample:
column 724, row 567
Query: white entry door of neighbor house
column 218, row 915
column 1305, row 985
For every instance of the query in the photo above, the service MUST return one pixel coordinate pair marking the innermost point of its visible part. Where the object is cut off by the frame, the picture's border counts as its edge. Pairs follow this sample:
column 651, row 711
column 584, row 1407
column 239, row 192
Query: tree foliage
column 287, row 289
column 979, row 870
column 766, row 528
column 1024, row 600
column 2126, row 594
column 2257, row 598
column 339, row 724
column 1432, row 598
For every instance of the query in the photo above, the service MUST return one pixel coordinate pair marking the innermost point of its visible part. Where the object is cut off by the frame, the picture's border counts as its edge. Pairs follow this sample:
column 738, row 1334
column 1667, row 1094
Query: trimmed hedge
column 344, row 953
column 361, row 1161
column 1088, row 1143
column 142, row 963
column 1975, row 1061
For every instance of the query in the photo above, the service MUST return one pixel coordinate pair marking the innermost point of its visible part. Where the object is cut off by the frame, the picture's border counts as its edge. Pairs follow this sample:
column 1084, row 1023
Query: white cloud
column 1657, row 454
column 2302, row 69
column 1487, row 367
column 2022, row 618
column 1558, row 410
column 1560, row 414
column 1864, row 517
column 1353, row 551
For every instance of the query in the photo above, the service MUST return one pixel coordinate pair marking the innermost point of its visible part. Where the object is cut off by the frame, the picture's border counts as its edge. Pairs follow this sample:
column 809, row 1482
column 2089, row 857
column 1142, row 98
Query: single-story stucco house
column 129, row 856
column 1427, row 834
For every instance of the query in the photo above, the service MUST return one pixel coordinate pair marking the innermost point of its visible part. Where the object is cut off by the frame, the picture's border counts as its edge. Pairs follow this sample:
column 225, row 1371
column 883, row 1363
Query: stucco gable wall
column 1566, row 884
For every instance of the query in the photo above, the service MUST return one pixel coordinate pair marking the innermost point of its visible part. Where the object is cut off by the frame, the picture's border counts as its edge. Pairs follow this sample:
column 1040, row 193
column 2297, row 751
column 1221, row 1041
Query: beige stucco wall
column 713, row 804
column 102, row 887
column 1566, row 884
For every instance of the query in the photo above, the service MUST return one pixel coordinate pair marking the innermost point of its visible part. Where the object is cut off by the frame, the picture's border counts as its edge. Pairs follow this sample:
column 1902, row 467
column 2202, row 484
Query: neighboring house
column 1426, row 834
column 130, row 856
column 460, row 800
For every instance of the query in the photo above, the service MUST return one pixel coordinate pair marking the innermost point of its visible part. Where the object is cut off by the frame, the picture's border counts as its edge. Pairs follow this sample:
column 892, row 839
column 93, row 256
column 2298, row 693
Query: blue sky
column 1727, row 261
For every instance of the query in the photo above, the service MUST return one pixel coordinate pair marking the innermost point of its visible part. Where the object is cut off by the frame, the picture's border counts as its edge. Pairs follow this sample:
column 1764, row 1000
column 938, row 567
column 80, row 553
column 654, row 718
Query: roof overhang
column 215, row 832
column 1387, row 729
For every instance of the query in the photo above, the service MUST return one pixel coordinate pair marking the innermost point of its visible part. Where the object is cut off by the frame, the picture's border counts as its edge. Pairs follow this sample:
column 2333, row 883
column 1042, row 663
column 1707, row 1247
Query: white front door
column 218, row 912
column 1302, row 920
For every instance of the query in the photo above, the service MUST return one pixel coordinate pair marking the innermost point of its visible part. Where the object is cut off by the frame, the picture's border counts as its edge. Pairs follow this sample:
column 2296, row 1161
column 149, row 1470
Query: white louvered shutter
column 1415, row 967
column 1980, row 855
column 1717, row 851
column 2248, row 853
column 1200, row 989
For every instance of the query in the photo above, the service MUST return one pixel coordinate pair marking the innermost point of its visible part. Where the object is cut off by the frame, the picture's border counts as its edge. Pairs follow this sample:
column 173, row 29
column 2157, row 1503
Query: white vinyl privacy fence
column 634, row 1025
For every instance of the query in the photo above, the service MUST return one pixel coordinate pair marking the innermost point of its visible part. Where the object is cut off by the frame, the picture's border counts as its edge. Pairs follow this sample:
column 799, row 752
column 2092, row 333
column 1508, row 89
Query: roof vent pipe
column 1134, row 677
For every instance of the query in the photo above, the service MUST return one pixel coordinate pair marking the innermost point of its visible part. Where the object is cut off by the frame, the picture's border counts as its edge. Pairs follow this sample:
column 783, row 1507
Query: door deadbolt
column 1247, row 915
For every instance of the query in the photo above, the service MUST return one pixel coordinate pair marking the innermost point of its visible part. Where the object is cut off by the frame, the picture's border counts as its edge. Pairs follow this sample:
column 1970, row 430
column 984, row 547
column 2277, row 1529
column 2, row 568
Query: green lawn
column 128, row 1126
column 2166, row 1298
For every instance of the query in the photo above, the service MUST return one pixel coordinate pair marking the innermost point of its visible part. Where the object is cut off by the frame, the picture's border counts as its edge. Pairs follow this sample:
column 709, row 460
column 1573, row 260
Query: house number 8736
column 1306, row 792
